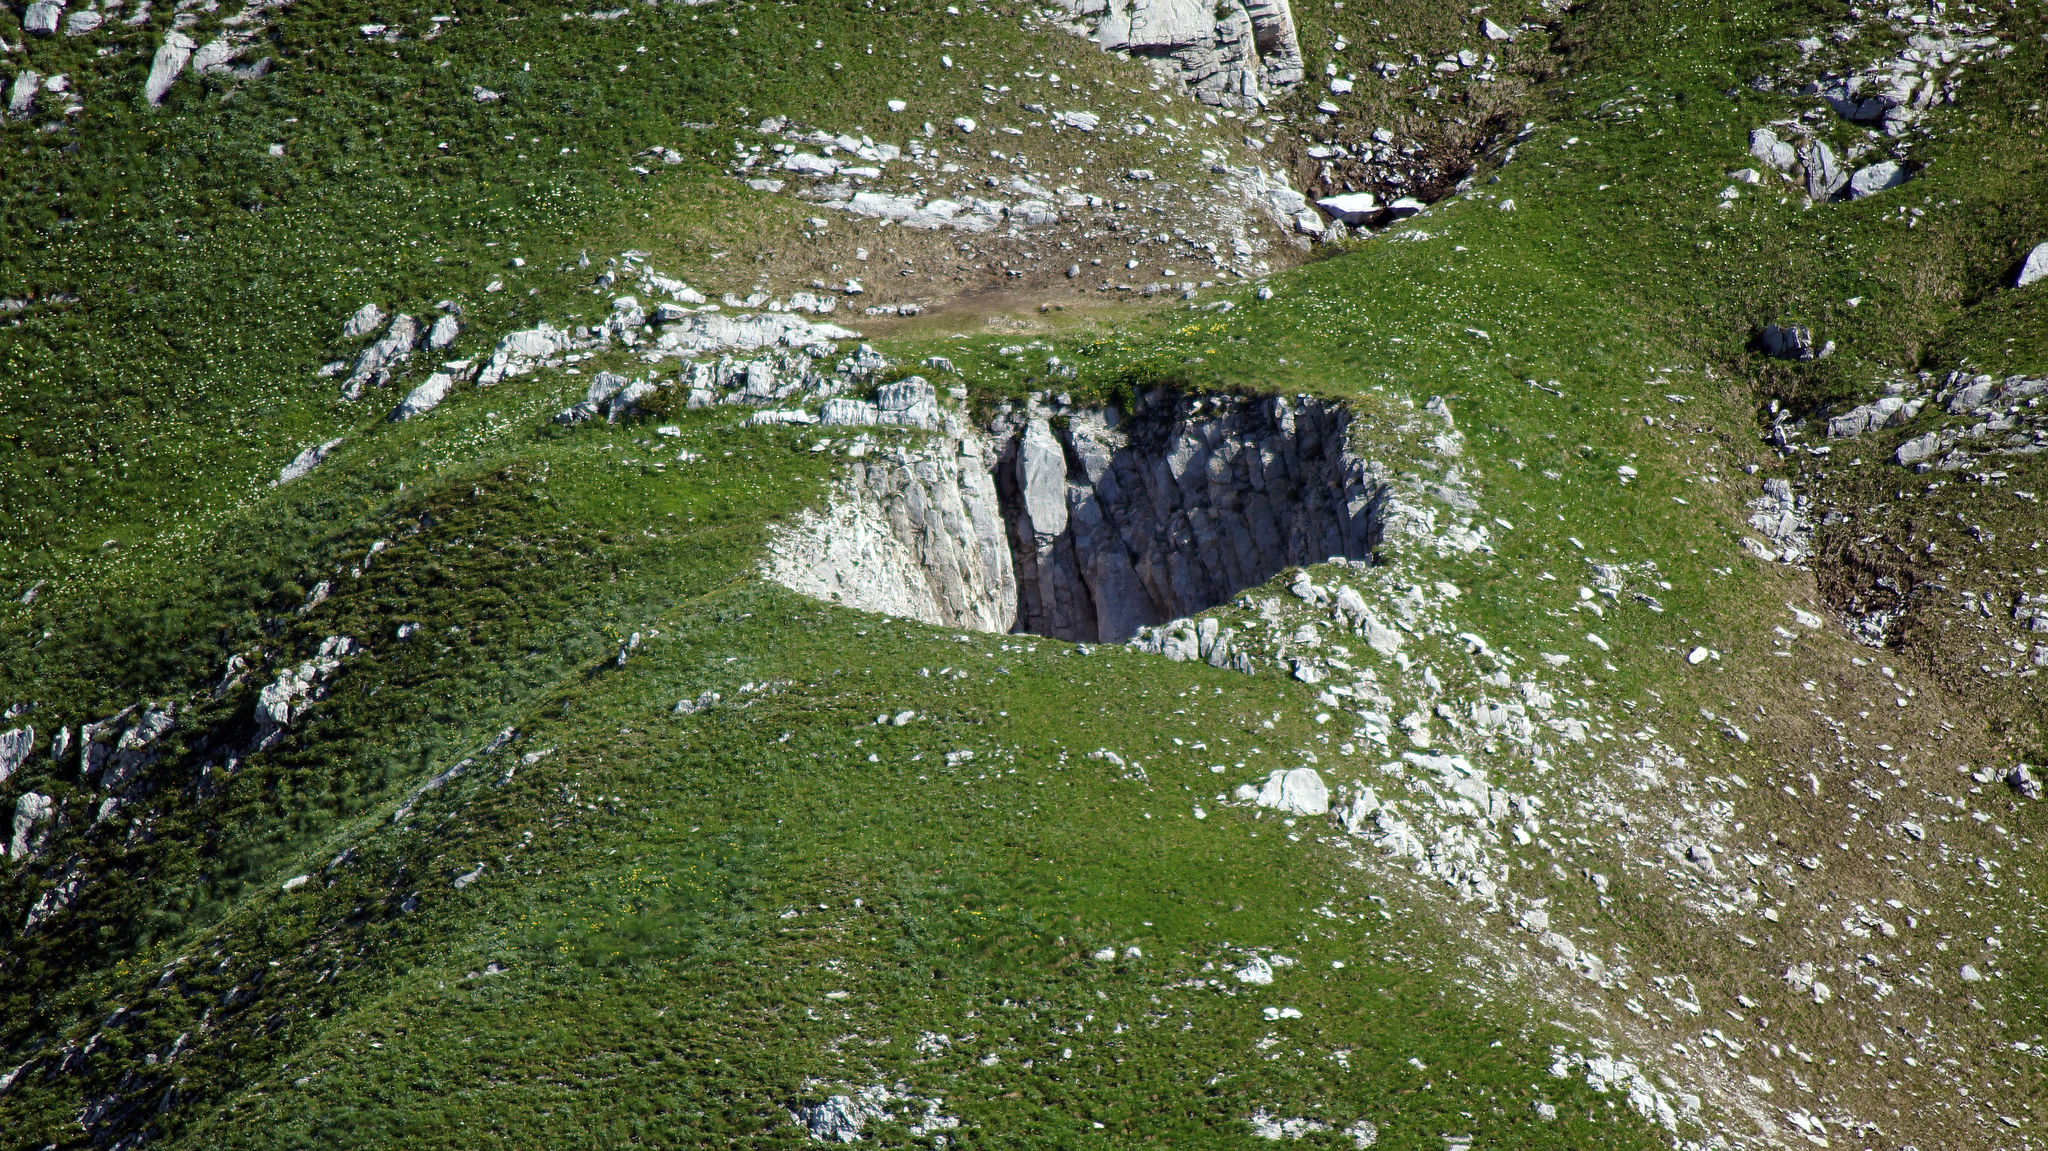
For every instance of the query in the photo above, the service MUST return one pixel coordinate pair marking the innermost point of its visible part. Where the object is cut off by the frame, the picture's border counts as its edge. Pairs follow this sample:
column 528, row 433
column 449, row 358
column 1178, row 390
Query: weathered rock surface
column 1229, row 53
column 915, row 532
column 1101, row 527
column 15, row 747
column 424, row 398
column 21, row 98
column 1300, row 791
column 30, row 809
column 376, row 364
column 366, row 319
column 171, row 57
column 304, row 462
column 1117, row 526
column 1789, row 342
column 522, row 352
column 2035, row 267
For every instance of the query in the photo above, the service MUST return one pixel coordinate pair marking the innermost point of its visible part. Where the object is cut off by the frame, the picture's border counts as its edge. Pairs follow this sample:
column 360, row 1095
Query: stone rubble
column 1892, row 94
column 1786, row 522
column 841, row 1117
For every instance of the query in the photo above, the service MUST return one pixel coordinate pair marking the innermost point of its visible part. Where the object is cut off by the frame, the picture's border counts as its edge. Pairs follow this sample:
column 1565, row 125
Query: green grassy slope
column 683, row 925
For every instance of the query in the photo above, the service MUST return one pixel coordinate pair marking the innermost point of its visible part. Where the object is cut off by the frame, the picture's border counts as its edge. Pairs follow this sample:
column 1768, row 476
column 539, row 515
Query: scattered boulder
column 30, row 810
column 424, row 398
column 1791, row 342
column 375, row 364
column 1824, row 175
column 170, row 60
column 15, row 747
column 304, row 462
column 1353, row 209
column 136, row 749
column 1876, row 178
column 2021, row 779
column 41, row 17
column 1918, row 448
column 21, row 98
column 521, row 352
column 2035, row 267
column 1297, row 792
column 1771, row 151
column 365, row 320
column 443, row 333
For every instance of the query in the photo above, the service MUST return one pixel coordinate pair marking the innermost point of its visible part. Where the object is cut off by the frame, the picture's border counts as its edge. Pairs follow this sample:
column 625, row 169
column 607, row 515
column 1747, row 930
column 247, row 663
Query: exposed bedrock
column 1083, row 525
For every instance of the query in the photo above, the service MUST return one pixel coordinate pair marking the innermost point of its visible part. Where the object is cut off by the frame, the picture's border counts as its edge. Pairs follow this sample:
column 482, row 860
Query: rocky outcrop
column 1229, row 53
column 1120, row 524
column 914, row 532
column 1082, row 523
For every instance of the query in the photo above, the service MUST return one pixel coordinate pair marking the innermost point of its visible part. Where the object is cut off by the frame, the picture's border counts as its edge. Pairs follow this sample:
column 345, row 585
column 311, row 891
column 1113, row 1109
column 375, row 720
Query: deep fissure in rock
column 1108, row 523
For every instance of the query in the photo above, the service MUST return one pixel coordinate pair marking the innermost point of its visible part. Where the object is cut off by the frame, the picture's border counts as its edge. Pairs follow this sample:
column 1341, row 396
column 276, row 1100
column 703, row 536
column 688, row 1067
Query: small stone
column 1493, row 31
column 2021, row 779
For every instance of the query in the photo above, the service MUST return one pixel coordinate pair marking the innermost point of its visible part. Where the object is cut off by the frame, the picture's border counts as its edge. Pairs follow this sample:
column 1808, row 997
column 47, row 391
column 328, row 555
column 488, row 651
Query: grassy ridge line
column 836, row 833
column 559, row 523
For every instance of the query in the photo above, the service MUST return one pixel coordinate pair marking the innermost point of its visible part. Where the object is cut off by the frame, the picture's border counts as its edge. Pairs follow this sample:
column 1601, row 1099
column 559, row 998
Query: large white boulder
column 171, row 57
column 1297, row 792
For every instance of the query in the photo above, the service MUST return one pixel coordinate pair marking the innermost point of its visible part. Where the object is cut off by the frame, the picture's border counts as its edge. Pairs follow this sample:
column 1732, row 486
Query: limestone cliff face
column 1228, row 52
column 914, row 533
column 1123, row 524
column 1084, row 524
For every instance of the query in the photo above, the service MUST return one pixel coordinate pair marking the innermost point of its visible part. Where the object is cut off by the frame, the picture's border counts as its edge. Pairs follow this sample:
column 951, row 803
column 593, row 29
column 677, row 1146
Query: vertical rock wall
column 1083, row 525
column 1119, row 525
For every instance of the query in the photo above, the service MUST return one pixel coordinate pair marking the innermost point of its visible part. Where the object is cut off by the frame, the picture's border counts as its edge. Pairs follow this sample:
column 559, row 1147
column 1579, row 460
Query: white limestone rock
column 1772, row 152
column 375, row 364
column 1300, row 791
column 2035, row 267
column 41, row 17
column 171, row 57
column 443, row 333
column 21, row 98
column 521, row 352
column 15, row 747
column 1876, row 178
column 424, row 398
column 30, row 810
column 304, row 462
